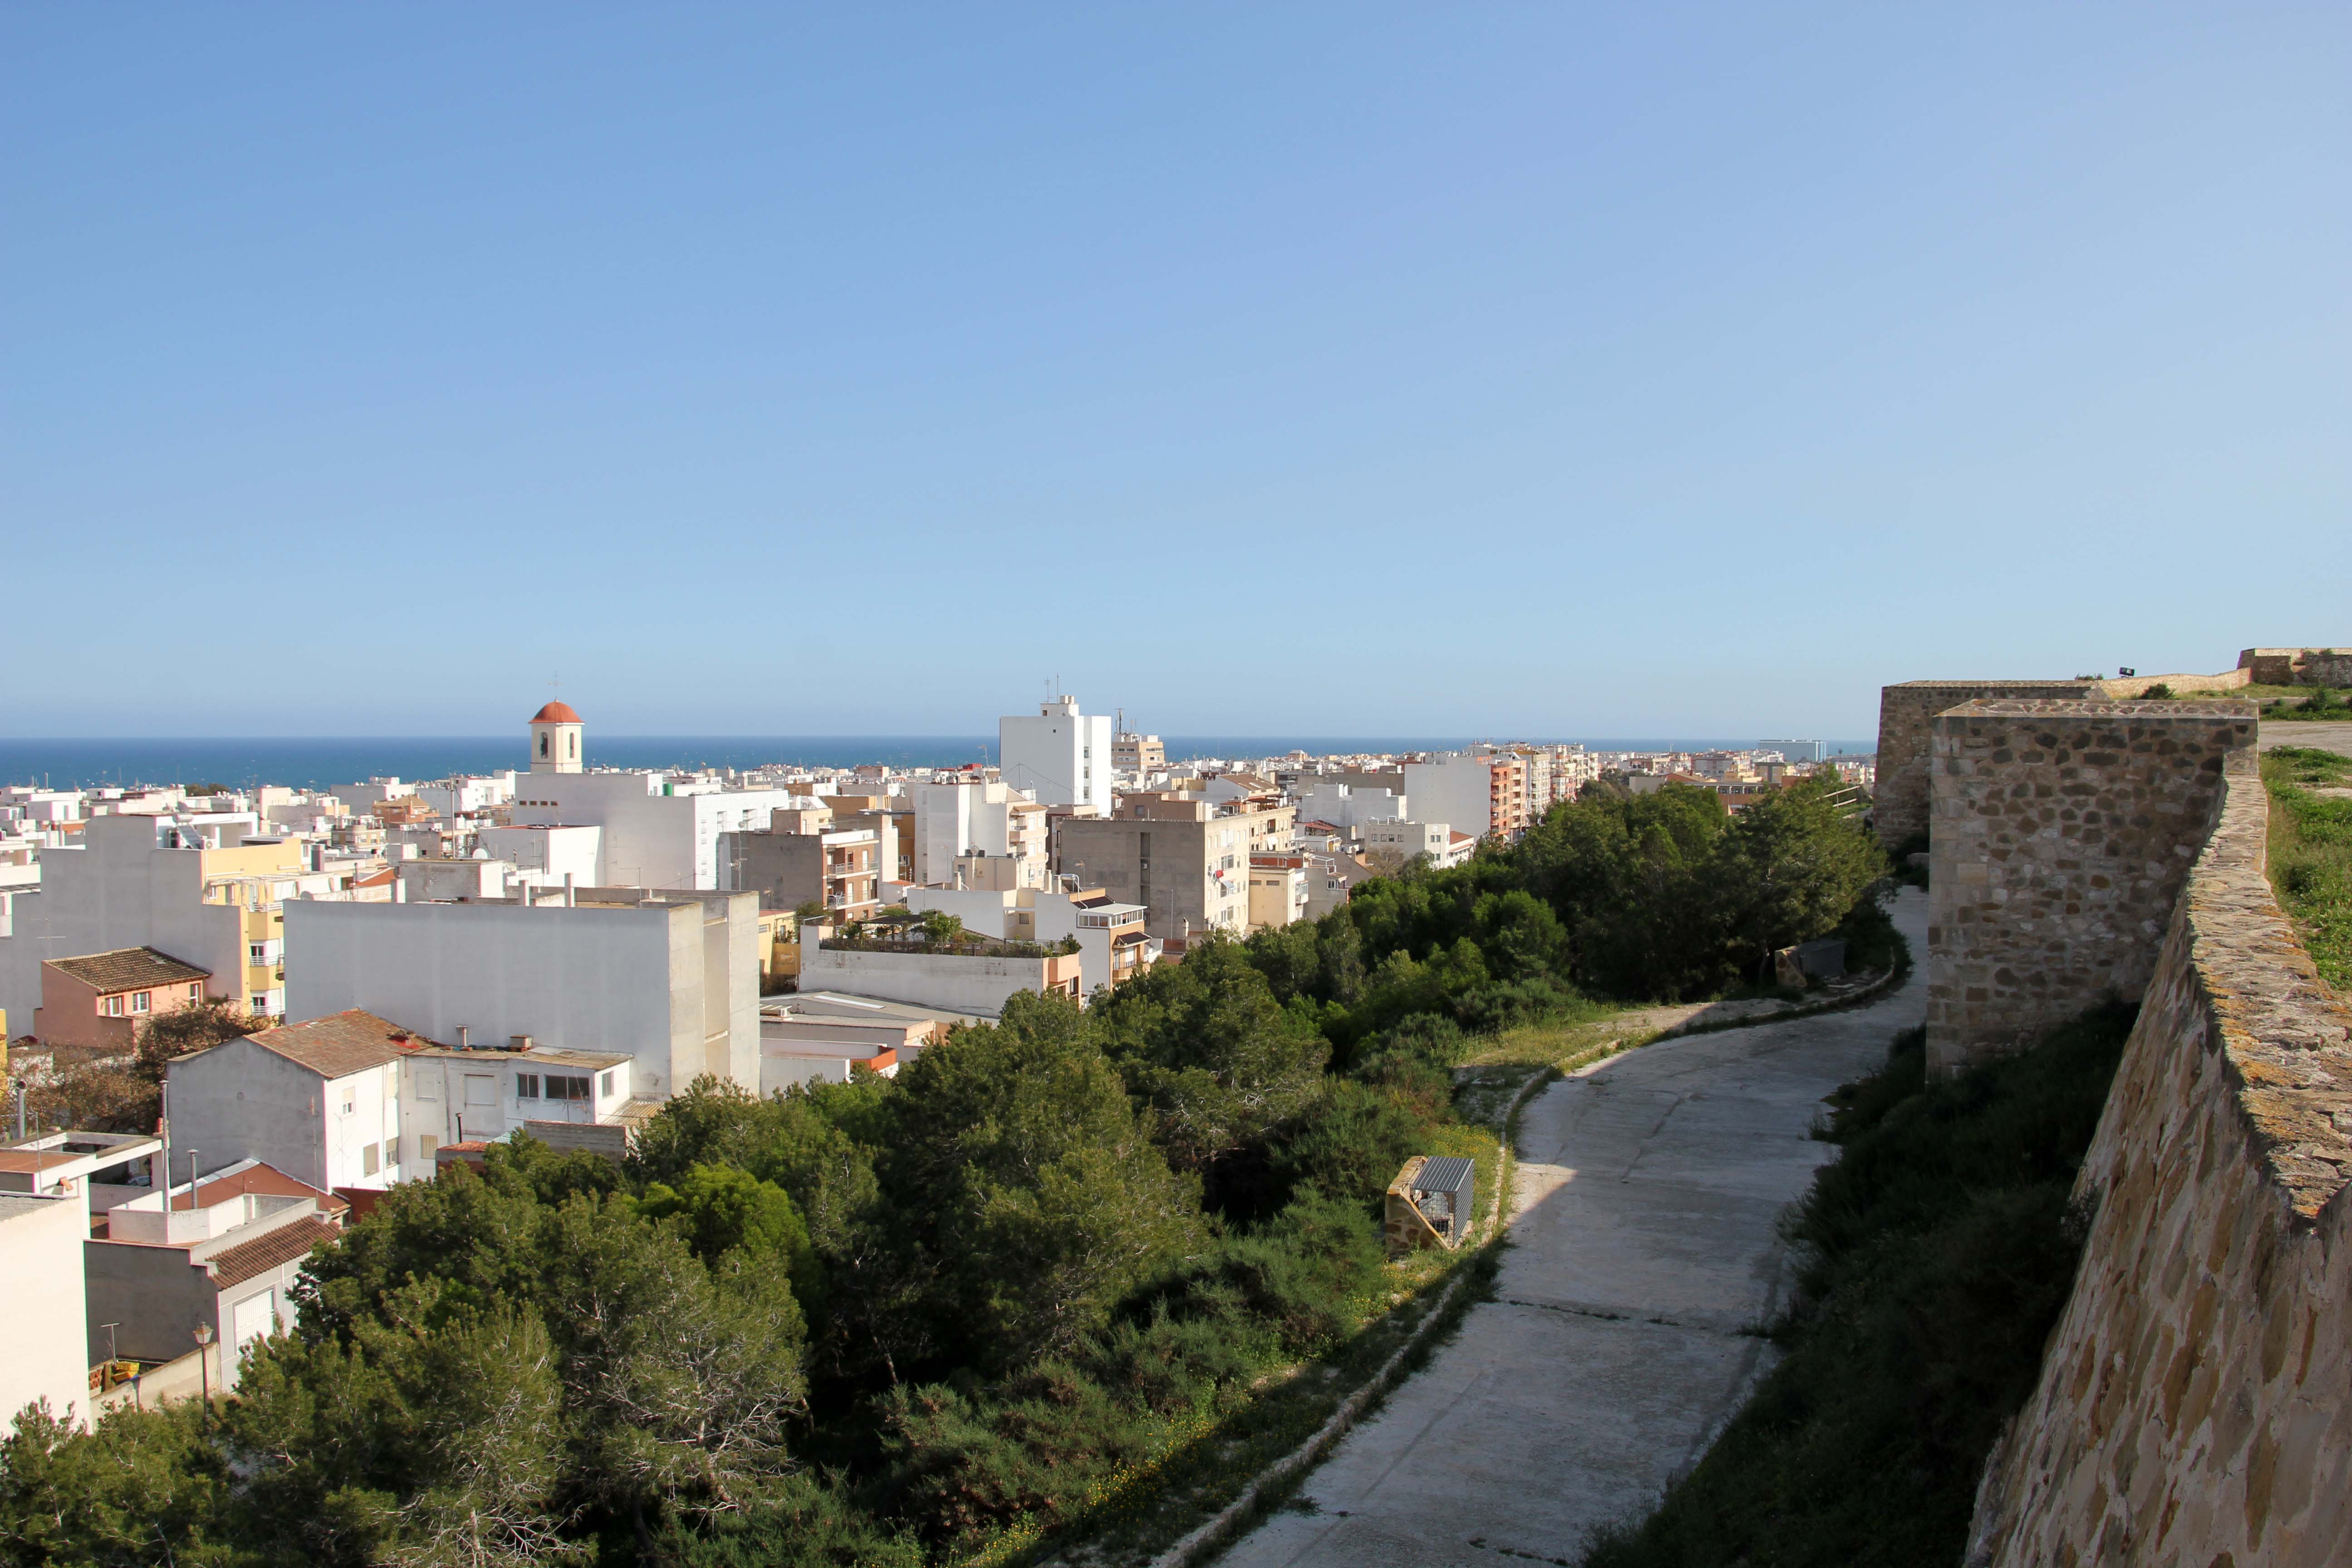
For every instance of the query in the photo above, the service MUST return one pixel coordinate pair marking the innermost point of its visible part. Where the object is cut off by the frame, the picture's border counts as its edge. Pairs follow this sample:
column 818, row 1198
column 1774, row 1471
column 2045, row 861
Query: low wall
column 2126, row 690
column 2064, row 832
column 2192, row 1406
column 1907, row 715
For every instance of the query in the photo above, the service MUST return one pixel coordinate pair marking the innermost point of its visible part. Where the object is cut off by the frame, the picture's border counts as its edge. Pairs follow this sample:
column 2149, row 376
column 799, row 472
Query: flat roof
column 541, row 1056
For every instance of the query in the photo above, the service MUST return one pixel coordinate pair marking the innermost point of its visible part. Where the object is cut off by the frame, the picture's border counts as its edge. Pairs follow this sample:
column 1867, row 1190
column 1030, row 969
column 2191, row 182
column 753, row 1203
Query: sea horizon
column 324, row 762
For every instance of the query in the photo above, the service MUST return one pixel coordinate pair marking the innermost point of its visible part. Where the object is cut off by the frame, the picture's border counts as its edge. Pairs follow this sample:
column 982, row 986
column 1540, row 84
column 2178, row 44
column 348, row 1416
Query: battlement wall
column 1907, row 715
column 2063, row 831
column 2191, row 1406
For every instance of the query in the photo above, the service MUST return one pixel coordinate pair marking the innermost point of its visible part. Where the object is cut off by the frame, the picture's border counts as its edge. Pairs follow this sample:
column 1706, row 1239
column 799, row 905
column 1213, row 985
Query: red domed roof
column 556, row 713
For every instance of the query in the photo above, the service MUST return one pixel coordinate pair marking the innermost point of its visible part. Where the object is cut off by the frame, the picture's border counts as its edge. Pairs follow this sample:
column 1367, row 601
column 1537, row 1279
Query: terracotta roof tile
column 128, row 969
column 337, row 1044
column 234, row 1265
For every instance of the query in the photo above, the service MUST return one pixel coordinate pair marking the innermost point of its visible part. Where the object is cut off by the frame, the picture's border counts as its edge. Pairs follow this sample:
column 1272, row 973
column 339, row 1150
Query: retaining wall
column 2062, row 834
column 2195, row 1403
column 2297, row 665
column 1907, row 713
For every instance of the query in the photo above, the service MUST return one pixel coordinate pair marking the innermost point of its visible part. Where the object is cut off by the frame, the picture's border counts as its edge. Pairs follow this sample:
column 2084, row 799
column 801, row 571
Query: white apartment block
column 1058, row 756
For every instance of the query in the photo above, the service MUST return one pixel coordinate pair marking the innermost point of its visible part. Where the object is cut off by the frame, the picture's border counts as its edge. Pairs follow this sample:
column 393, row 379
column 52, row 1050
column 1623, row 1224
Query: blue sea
column 323, row 762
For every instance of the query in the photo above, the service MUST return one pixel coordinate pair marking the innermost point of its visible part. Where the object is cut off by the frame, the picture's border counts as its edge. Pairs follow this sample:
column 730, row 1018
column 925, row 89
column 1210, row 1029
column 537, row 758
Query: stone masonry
column 1905, row 715
column 2063, row 833
column 2192, row 1409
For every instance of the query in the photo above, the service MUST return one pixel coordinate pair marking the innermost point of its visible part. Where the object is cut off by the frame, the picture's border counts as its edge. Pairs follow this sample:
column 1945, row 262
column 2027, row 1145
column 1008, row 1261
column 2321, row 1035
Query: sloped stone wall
column 2195, row 1403
column 2062, row 834
column 1906, row 714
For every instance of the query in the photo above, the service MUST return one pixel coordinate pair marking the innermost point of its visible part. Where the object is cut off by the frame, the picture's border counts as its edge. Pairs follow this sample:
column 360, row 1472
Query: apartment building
column 668, row 979
column 972, row 819
column 1136, row 753
column 1180, row 858
column 1058, row 756
column 1480, row 796
column 789, row 866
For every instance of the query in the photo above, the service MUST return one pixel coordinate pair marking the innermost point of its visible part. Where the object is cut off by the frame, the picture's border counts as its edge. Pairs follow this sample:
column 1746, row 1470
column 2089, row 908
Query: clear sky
column 1638, row 369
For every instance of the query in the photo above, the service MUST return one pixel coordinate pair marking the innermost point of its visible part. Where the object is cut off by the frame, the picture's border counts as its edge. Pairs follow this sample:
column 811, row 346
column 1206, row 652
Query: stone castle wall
column 1907, row 715
column 2062, row 834
column 2195, row 1403
column 2297, row 665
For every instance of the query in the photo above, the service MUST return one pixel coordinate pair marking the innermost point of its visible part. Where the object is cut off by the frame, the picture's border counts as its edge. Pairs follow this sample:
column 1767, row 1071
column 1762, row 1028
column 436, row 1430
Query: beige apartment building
column 1184, row 860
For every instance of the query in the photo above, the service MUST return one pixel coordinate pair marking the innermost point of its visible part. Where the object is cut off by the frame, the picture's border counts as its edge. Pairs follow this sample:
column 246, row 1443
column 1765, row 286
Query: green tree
column 1790, row 866
column 1207, row 1047
column 141, row 1488
column 1022, row 1172
column 725, row 1208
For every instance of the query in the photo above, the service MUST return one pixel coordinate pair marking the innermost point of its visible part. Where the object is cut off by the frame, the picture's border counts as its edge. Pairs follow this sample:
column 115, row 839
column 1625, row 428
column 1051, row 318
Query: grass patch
column 2310, row 853
column 1933, row 1259
column 2328, row 703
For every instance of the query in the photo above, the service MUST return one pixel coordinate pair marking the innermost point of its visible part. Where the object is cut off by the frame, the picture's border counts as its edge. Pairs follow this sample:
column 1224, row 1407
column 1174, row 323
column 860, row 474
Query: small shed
column 1431, row 1203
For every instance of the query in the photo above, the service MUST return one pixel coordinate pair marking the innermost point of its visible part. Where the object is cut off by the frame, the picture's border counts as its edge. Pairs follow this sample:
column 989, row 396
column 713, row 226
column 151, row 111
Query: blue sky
column 1368, row 370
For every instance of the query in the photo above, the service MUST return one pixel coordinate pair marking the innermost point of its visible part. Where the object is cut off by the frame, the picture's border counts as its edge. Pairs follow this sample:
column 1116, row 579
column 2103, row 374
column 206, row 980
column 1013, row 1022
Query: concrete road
column 1643, row 1245
column 2324, row 737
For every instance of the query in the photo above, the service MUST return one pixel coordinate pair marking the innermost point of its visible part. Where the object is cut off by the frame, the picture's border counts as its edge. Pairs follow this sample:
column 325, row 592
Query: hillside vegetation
column 1074, row 1274
column 2310, row 853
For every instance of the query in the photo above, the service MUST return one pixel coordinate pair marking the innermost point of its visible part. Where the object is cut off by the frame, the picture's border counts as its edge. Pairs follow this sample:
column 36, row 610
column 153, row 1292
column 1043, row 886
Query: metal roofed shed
column 1429, row 1204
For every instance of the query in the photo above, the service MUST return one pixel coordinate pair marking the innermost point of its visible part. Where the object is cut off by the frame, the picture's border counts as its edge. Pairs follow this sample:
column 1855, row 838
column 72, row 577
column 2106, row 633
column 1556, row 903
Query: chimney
column 465, row 1038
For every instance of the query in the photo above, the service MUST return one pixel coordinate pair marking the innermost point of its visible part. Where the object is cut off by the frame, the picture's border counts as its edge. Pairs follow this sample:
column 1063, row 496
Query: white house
column 319, row 1101
column 1058, row 755
column 670, row 980
column 1434, row 839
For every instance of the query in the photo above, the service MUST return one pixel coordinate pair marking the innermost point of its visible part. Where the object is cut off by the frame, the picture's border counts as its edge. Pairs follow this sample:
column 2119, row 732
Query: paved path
column 1647, row 1193
column 2326, row 737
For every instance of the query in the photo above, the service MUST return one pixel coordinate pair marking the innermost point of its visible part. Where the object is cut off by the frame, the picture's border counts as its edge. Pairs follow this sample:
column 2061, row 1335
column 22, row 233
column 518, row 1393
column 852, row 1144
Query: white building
column 1059, row 756
column 670, row 980
column 655, row 831
column 356, row 1102
column 1352, row 806
column 972, row 817
column 1407, row 839
column 319, row 1101
column 1452, row 787
column 44, row 1354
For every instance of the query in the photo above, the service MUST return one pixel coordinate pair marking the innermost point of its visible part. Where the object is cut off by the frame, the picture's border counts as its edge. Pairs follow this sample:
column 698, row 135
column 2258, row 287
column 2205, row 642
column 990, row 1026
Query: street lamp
column 204, row 1363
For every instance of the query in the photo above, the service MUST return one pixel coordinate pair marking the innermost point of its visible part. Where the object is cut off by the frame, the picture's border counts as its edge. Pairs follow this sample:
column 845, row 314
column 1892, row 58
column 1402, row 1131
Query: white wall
column 958, row 983
column 983, row 912
column 242, row 1101
column 45, row 1351
column 653, row 983
column 1453, row 789
column 574, row 850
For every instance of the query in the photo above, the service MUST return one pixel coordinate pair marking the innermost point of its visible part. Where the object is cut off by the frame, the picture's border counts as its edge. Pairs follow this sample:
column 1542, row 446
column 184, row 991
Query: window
column 142, row 1001
column 542, row 744
column 606, row 1085
column 196, row 993
column 111, row 1007
column 526, row 1085
column 425, row 1145
column 367, row 1159
column 348, row 1106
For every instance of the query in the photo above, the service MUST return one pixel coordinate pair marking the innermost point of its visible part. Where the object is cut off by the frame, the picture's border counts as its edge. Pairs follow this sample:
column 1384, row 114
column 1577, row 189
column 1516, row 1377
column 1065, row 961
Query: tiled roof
column 128, row 969
column 339, row 1043
column 234, row 1265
